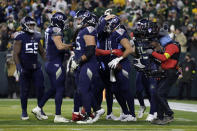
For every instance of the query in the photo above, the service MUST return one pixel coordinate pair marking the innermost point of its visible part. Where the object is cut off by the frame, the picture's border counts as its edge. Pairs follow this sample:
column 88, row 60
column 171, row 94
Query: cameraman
column 169, row 61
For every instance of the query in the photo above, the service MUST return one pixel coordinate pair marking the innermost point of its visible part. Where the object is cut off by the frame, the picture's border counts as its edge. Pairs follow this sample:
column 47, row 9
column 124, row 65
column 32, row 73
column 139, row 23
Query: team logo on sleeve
column 120, row 31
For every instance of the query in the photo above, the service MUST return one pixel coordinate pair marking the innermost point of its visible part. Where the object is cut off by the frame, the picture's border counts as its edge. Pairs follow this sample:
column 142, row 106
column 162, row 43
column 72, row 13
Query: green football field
column 10, row 112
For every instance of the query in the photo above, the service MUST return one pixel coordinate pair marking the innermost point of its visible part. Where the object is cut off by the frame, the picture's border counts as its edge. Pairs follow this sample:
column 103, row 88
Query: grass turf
column 10, row 112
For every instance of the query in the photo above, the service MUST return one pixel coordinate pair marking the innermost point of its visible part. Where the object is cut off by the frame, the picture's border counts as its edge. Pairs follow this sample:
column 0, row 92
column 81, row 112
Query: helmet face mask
column 146, row 29
column 84, row 18
column 112, row 24
column 78, row 22
column 28, row 24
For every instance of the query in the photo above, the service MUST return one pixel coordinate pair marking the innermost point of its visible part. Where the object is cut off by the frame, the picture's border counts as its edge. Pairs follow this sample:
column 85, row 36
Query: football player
column 85, row 65
column 26, row 48
column 55, row 55
column 116, row 38
column 143, row 34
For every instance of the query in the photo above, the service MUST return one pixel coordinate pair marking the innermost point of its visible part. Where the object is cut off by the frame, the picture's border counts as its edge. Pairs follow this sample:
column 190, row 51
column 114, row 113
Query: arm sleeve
column 169, row 51
column 122, row 33
column 100, row 52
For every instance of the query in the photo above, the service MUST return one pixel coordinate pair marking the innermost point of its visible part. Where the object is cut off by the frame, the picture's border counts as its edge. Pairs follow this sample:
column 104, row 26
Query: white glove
column 113, row 64
column 74, row 65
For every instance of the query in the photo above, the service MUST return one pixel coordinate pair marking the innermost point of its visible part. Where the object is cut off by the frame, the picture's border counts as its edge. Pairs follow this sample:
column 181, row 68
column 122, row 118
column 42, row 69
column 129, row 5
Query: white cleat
column 60, row 119
column 98, row 114
column 88, row 120
column 155, row 115
column 37, row 112
column 24, row 118
column 44, row 117
column 121, row 117
column 141, row 111
column 150, row 117
column 129, row 118
column 111, row 117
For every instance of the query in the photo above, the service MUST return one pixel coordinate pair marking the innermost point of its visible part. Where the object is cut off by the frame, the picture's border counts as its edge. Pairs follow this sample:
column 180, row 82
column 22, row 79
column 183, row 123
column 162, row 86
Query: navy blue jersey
column 29, row 49
column 144, row 57
column 52, row 53
column 111, row 41
column 80, row 42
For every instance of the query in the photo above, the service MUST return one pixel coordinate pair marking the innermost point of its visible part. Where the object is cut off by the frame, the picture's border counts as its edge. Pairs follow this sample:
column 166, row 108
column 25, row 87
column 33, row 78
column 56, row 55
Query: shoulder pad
column 120, row 31
column 90, row 29
column 17, row 34
column 56, row 31
column 37, row 34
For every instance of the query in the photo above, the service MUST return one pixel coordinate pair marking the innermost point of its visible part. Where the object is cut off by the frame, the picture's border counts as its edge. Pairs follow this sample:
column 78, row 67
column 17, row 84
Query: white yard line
column 175, row 106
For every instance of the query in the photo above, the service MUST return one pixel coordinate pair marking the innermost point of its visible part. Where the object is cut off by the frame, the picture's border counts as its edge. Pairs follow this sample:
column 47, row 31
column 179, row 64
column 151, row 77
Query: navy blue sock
column 130, row 102
column 140, row 98
column 77, row 102
column 109, row 100
column 58, row 99
column 46, row 96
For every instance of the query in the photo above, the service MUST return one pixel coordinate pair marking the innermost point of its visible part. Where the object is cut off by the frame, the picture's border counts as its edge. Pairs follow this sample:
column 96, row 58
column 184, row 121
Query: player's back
column 29, row 49
column 52, row 53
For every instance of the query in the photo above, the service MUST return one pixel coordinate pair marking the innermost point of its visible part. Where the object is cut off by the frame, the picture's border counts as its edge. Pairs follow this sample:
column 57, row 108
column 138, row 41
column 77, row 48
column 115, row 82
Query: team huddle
column 101, row 48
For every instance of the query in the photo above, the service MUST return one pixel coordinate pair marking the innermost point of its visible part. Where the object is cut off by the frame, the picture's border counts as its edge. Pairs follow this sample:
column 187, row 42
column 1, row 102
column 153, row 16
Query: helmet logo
column 59, row 17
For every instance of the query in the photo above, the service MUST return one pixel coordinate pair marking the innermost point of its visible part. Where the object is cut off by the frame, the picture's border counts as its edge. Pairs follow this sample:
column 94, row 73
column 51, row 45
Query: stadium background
column 181, row 16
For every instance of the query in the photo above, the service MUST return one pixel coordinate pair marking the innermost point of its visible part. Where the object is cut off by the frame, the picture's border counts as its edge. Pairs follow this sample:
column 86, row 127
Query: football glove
column 113, row 64
column 75, row 64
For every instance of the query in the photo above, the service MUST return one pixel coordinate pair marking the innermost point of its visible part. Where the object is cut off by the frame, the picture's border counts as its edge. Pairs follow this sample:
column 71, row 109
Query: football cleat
column 121, row 117
column 86, row 120
column 129, row 118
column 169, row 119
column 98, row 114
column 43, row 115
column 111, row 117
column 24, row 116
column 76, row 116
column 60, row 119
column 150, row 117
column 37, row 112
column 141, row 111
column 159, row 122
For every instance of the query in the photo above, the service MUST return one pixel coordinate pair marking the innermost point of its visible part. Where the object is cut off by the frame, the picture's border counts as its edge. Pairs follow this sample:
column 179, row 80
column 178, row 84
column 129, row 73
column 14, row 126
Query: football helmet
column 112, row 24
column 146, row 29
column 83, row 18
column 28, row 24
column 59, row 20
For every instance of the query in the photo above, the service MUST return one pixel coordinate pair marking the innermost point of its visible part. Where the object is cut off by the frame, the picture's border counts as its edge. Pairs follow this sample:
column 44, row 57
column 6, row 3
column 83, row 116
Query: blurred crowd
column 180, row 15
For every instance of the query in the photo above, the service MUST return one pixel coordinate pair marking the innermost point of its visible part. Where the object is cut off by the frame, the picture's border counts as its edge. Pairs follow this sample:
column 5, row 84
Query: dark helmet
column 112, row 24
column 86, row 18
column 59, row 20
column 26, row 22
column 146, row 29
